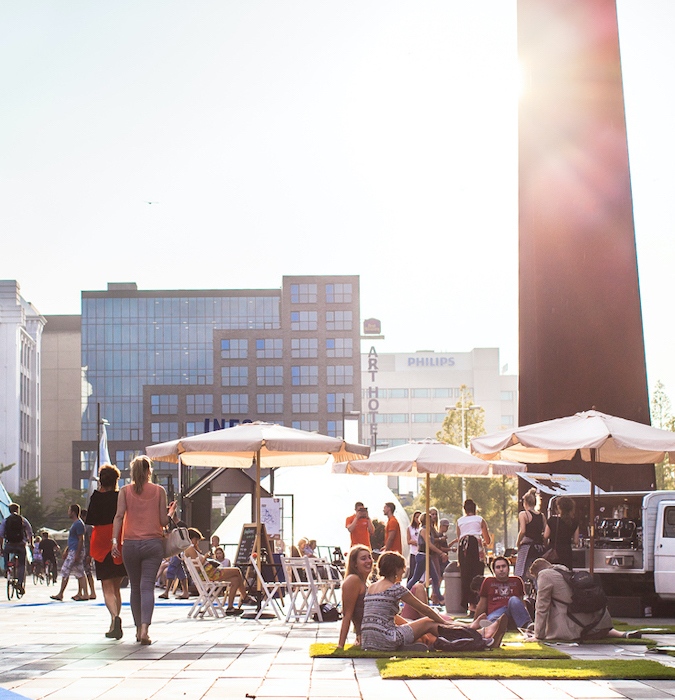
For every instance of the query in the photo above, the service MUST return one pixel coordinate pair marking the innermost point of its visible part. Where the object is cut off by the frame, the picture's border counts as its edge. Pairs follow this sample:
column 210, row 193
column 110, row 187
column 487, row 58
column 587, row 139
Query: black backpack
column 587, row 597
column 14, row 529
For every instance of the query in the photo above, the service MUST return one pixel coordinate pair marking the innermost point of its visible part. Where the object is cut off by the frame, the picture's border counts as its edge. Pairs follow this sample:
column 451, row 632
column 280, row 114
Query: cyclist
column 49, row 550
column 15, row 533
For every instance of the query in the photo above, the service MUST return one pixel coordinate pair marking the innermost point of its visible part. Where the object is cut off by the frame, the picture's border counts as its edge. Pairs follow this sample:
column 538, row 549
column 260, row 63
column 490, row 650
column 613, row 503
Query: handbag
column 551, row 554
column 176, row 541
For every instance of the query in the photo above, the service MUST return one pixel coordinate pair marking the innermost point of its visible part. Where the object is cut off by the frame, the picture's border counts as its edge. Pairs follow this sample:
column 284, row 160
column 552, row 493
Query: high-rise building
column 20, row 355
column 166, row 364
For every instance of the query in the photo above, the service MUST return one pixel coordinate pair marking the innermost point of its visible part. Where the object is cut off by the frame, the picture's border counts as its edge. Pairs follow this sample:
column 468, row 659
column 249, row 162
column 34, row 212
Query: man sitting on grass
column 502, row 594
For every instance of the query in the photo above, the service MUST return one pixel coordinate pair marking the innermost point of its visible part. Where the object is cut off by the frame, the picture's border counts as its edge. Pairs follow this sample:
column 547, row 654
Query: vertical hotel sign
column 372, row 329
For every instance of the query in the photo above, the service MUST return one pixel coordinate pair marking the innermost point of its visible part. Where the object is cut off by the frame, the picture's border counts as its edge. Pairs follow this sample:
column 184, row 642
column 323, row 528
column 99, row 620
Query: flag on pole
column 103, row 457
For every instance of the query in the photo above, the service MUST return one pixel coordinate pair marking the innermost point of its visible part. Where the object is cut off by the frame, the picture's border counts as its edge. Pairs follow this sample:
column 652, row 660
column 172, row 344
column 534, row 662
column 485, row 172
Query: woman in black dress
column 530, row 540
column 561, row 530
column 109, row 571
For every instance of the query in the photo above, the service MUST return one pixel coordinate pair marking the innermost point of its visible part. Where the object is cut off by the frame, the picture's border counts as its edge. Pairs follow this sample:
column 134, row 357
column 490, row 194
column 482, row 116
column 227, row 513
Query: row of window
column 161, row 432
column 309, row 321
column 417, row 418
column 340, row 293
column 238, row 404
column 273, row 348
column 273, row 375
column 435, row 393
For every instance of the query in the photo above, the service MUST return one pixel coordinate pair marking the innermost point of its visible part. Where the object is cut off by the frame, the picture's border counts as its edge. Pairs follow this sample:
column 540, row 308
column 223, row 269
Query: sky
column 219, row 144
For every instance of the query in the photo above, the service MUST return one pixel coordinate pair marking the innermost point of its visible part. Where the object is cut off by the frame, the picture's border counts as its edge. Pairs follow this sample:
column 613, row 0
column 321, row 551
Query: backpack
column 452, row 638
column 587, row 597
column 329, row 613
column 14, row 529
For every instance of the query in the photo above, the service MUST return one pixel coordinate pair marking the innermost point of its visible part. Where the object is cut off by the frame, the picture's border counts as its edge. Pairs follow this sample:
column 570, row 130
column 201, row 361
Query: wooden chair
column 210, row 594
column 328, row 580
column 272, row 592
column 303, row 593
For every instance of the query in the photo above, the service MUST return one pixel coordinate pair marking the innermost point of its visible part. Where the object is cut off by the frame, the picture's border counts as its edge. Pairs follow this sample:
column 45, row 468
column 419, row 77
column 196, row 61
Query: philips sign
column 431, row 361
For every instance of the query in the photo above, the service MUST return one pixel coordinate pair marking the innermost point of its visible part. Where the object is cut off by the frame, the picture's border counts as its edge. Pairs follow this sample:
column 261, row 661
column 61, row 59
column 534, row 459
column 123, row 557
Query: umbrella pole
column 426, row 532
column 258, row 529
column 591, row 528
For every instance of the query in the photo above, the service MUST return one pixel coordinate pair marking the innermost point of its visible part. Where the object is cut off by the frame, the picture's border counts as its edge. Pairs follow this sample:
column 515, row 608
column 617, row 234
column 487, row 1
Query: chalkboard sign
column 246, row 545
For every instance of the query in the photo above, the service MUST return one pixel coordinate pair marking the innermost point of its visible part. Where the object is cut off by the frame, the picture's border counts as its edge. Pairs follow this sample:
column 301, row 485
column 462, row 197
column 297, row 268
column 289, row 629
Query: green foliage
column 464, row 422
column 31, row 504
column 6, row 467
column 662, row 418
column 58, row 513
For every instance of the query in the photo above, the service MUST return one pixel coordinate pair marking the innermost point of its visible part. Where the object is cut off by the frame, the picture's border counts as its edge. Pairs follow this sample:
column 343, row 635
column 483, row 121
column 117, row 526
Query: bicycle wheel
column 18, row 590
column 10, row 588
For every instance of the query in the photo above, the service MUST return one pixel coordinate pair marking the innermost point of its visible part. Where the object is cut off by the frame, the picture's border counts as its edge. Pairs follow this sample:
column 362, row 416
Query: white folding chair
column 328, row 579
column 272, row 593
column 303, row 594
column 209, row 593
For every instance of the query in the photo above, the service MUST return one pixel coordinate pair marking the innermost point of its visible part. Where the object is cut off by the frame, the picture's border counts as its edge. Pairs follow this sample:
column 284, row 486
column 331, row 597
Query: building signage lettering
column 373, row 395
column 431, row 362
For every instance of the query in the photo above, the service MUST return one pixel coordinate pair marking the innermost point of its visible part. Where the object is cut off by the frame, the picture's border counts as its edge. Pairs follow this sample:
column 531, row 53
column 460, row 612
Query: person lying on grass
column 379, row 630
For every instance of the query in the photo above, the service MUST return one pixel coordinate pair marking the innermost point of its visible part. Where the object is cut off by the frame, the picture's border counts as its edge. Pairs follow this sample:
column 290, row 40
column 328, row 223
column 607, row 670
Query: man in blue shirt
column 15, row 533
column 74, row 557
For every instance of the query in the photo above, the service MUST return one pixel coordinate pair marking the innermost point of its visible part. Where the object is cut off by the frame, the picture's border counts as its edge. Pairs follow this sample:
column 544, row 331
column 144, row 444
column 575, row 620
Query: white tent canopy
column 322, row 502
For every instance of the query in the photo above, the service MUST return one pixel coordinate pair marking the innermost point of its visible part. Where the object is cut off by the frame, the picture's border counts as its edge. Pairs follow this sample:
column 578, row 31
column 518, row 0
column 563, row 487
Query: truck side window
column 669, row 522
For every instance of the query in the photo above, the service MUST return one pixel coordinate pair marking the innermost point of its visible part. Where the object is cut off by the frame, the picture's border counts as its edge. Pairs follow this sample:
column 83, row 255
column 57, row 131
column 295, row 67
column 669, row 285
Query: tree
column 6, row 467
column 31, row 504
column 663, row 418
column 58, row 513
column 463, row 422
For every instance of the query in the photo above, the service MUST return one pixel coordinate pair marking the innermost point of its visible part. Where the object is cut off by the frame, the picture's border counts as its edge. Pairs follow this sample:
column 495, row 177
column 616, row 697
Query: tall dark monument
column 581, row 341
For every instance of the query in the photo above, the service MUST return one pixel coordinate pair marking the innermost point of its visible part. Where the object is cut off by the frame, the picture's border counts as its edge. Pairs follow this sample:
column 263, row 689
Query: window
column 304, row 375
column 236, row 349
column 303, row 294
column 442, row 393
column 338, row 320
column 507, row 421
column 305, row 403
column 507, row 395
column 269, row 348
column 339, row 293
column 234, row 403
column 340, row 375
column 334, row 402
column 669, row 521
column 161, row 432
column 334, row 428
column 339, row 347
column 270, row 403
column 304, row 347
column 428, row 417
column 304, row 321
column 164, row 404
column 387, row 418
column 199, row 404
column 420, row 393
column 234, row 376
column 270, row 375
column 309, row 425
column 194, row 428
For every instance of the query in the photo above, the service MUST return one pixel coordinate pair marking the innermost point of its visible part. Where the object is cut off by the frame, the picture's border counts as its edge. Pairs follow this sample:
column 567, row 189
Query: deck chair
column 328, row 580
column 210, row 594
column 272, row 592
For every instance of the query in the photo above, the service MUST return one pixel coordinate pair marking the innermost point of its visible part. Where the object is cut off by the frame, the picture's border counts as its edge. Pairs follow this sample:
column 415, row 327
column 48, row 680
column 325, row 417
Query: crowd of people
column 123, row 532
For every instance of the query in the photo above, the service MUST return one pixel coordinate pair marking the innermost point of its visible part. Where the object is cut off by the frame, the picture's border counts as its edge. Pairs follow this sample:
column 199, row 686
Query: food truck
column 634, row 552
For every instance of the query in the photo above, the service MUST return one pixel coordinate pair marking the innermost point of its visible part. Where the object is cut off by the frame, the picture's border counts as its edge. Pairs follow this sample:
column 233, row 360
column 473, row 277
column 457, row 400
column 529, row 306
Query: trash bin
column 453, row 589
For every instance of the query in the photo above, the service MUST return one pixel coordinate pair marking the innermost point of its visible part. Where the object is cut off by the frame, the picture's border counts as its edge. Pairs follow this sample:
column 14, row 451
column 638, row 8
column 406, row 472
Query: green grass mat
column 562, row 669
column 509, row 650
column 614, row 640
column 654, row 629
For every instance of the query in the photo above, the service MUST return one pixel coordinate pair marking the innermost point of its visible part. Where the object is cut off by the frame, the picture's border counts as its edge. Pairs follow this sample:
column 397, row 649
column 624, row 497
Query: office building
column 21, row 328
column 164, row 364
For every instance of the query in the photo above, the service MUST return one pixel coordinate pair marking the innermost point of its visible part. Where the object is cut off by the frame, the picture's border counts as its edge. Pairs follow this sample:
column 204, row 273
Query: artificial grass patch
column 651, row 629
column 510, row 649
column 495, row 668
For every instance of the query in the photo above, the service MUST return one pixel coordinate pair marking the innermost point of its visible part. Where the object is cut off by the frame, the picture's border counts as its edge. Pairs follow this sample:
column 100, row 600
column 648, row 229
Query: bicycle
column 14, row 588
column 38, row 572
column 50, row 572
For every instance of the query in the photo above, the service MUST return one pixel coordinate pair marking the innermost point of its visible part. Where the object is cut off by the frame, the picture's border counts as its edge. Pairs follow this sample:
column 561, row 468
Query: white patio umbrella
column 420, row 458
column 595, row 436
column 261, row 444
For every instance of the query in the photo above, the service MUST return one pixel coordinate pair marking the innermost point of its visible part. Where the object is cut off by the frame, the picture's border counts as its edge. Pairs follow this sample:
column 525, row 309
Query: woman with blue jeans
column 142, row 509
column 421, row 560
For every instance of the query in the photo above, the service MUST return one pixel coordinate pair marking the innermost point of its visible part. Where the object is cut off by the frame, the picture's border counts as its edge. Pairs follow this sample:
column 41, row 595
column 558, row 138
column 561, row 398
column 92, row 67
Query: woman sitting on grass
column 359, row 567
column 379, row 631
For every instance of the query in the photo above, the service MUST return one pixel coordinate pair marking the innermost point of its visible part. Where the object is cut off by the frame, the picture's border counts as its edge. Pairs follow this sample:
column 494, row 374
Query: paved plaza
column 58, row 651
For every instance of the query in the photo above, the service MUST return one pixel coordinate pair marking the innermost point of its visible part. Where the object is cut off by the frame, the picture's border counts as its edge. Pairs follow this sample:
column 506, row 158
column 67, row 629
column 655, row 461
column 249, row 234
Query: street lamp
column 463, row 410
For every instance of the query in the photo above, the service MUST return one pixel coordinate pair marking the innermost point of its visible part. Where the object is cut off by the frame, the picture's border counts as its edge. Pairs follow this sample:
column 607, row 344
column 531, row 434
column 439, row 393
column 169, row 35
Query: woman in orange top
column 142, row 509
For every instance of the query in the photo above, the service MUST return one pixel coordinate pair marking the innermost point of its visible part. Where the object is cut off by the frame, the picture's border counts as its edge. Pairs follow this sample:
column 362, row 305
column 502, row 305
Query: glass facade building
column 167, row 364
